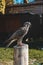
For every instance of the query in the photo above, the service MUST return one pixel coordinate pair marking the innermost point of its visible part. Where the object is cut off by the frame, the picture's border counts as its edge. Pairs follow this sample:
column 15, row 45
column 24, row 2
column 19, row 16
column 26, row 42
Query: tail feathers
column 7, row 41
column 10, row 43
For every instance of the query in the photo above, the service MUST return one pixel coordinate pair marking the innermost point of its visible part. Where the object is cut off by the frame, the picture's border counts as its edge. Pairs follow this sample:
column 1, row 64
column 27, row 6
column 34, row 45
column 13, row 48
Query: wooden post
column 21, row 55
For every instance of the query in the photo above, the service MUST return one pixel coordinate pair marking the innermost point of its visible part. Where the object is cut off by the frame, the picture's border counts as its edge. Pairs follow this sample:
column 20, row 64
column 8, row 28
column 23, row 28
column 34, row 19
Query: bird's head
column 27, row 24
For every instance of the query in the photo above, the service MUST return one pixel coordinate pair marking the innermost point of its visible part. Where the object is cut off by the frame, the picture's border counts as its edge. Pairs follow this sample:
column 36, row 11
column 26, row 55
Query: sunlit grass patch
column 6, row 54
column 37, row 54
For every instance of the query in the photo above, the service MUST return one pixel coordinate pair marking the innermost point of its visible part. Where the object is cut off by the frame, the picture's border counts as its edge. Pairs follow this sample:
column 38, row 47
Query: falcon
column 19, row 35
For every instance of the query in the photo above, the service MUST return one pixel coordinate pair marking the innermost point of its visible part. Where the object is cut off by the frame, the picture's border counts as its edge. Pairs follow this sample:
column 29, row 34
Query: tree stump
column 21, row 55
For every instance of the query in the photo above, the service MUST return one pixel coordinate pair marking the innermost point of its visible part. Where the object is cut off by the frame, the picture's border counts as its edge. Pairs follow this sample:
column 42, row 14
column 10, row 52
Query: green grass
column 7, row 55
column 37, row 54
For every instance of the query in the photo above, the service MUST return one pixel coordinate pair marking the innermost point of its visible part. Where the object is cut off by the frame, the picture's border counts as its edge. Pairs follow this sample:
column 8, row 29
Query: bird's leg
column 19, row 42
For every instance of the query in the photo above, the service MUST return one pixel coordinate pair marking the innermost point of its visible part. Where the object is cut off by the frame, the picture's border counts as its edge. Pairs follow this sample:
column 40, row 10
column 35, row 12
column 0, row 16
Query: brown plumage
column 19, row 34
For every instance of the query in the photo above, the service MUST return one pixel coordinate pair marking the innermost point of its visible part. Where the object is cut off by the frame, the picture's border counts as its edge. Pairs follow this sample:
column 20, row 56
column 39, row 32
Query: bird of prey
column 19, row 35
